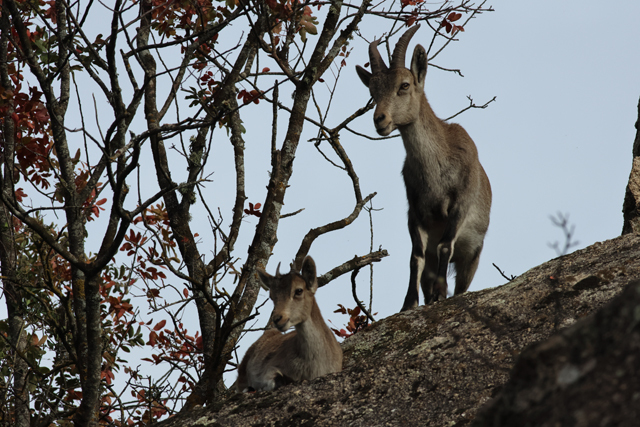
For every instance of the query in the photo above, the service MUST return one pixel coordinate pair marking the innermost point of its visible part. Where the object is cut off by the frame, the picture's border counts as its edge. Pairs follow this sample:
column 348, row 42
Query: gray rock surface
column 438, row 365
column 631, row 204
column 587, row 375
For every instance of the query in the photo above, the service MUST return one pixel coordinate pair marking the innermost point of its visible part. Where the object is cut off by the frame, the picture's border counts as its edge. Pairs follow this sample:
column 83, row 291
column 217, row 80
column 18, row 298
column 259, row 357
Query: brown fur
column 448, row 191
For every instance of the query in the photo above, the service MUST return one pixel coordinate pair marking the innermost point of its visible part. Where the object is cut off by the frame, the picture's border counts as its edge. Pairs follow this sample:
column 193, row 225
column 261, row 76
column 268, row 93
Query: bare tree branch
column 355, row 262
column 314, row 233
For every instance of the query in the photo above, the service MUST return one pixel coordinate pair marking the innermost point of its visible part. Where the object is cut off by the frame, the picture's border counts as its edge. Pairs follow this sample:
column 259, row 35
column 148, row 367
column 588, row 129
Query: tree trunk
column 19, row 399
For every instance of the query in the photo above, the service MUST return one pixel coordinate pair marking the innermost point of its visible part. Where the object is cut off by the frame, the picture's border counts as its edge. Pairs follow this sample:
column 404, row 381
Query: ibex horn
column 278, row 270
column 377, row 64
column 397, row 59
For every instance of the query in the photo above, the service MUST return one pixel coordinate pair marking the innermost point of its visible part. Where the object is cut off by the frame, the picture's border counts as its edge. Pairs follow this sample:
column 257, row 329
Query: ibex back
column 308, row 352
column 448, row 190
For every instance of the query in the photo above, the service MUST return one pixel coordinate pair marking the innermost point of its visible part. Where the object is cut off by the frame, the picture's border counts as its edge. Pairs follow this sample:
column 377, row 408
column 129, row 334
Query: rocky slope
column 587, row 375
column 438, row 365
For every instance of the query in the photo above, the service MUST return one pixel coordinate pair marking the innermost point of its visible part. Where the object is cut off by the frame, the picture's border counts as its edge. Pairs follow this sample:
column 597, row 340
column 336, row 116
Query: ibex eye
column 404, row 86
column 298, row 292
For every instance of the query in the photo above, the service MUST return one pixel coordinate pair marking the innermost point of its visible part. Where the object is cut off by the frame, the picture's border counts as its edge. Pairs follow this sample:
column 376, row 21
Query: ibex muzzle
column 448, row 190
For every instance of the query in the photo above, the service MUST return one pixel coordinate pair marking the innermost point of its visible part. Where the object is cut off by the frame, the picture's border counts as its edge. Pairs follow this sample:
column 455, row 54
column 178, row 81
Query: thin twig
column 291, row 213
column 274, row 124
column 503, row 274
column 369, row 210
column 471, row 105
column 355, row 296
column 562, row 221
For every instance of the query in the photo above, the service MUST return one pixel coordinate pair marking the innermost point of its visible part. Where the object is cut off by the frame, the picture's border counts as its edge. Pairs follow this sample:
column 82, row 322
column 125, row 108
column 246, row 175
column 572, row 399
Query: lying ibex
column 448, row 191
column 308, row 352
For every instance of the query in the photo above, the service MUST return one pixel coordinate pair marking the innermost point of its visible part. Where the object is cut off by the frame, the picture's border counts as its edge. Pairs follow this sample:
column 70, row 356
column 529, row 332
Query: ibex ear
column 309, row 274
column 364, row 75
column 265, row 279
column 419, row 65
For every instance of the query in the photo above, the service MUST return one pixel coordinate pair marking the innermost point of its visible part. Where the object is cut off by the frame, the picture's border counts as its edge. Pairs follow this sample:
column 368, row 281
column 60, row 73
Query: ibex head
column 292, row 294
column 397, row 91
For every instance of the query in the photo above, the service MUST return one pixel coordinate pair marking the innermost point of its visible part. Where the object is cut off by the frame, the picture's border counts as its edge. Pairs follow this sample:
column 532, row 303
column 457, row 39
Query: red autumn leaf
column 273, row 4
column 20, row 195
column 453, row 16
column 253, row 210
column 74, row 395
column 107, row 375
column 266, row 70
column 255, row 96
column 153, row 293
column 449, row 26
column 160, row 325
column 185, row 292
column 153, row 338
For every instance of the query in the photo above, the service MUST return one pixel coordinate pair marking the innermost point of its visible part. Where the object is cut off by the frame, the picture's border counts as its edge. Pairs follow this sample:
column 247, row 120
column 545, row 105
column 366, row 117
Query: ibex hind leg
column 445, row 253
column 465, row 270
column 440, row 285
column 281, row 380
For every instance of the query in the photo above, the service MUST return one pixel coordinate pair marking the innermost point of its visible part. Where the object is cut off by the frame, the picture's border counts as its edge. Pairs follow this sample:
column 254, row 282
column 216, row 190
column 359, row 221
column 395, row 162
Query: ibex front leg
column 419, row 240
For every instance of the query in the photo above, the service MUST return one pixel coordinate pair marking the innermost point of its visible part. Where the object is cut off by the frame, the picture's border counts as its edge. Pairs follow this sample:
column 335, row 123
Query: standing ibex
column 304, row 354
column 448, row 191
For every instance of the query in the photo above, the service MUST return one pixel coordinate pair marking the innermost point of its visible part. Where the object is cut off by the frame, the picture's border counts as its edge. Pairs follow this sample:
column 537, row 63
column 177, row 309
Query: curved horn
column 397, row 59
column 377, row 64
column 278, row 270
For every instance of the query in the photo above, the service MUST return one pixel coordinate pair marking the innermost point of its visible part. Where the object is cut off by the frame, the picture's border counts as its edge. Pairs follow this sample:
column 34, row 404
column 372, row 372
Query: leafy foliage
column 355, row 324
column 109, row 119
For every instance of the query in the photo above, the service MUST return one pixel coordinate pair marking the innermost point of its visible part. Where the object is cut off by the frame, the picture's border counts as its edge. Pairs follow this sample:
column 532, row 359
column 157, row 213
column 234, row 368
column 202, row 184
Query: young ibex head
column 397, row 91
column 292, row 294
